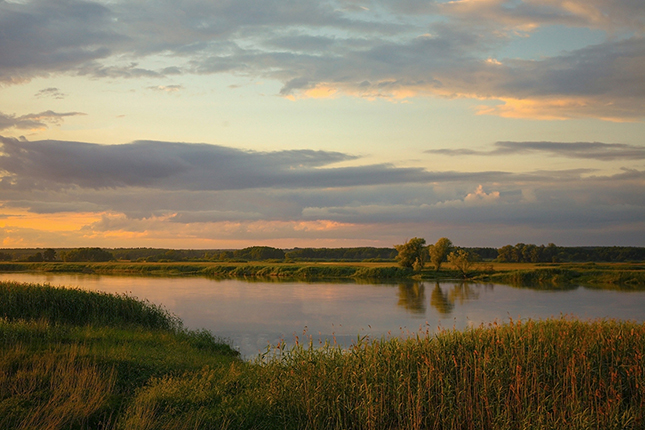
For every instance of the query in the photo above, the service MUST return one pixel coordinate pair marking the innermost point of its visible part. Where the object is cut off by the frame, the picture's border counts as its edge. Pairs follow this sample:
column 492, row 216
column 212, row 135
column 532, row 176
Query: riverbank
column 631, row 275
column 78, row 359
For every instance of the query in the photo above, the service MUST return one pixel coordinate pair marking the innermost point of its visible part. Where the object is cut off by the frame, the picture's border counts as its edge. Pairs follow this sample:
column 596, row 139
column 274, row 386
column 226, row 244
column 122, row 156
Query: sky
column 301, row 123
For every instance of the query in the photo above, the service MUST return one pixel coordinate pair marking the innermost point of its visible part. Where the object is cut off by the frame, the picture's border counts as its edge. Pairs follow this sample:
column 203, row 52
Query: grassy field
column 71, row 359
column 540, row 275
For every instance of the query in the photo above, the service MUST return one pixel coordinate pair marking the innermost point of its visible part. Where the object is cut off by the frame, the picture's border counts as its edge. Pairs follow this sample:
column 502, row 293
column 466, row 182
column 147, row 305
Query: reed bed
column 87, row 372
column 51, row 389
column 523, row 375
column 79, row 307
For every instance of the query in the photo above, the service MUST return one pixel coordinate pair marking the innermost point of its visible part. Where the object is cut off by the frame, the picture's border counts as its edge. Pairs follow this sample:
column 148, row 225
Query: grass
column 80, row 366
column 130, row 371
column 631, row 275
column 549, row 374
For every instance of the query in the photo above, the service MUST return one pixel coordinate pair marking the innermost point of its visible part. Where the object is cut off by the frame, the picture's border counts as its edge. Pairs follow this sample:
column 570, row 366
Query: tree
column 86, row 254
column 412, row 253
column 462, row 260
column 37, row 257
column 439, row 251
column 49, row 254
column 258, row 253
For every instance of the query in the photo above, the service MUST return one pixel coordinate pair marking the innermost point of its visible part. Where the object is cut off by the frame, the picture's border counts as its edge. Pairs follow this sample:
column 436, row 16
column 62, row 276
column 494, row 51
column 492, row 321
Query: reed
column 59, row 373
column 548, row 374
column 75, row 306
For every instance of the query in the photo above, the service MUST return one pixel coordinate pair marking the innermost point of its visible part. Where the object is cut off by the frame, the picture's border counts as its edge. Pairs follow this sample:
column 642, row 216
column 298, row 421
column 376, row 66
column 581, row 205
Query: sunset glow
column 334, row 123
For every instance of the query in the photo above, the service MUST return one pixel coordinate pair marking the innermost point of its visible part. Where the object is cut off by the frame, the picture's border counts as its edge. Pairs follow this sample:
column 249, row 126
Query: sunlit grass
column 610, row 274
column 121, row 373
column 549, row 374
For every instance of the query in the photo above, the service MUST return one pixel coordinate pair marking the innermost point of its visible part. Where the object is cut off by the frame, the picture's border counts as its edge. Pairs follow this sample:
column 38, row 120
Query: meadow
column 601, row 275
column 72, row 359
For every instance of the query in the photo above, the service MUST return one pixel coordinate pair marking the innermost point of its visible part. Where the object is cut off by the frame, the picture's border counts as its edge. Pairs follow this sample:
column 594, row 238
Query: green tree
column 37, row 257
column 412, row 253
column 86, row 254
column 462, row 260
column 49, row 254
column 258, row 253
column 439, row 251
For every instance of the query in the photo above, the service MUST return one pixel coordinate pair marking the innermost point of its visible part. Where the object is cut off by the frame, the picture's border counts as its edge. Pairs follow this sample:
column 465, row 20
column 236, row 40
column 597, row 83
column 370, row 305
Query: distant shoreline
column 524, row 274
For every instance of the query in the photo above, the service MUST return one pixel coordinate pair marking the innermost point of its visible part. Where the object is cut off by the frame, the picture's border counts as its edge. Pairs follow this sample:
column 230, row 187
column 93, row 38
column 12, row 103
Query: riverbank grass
column 92, row 372
column 605, row 275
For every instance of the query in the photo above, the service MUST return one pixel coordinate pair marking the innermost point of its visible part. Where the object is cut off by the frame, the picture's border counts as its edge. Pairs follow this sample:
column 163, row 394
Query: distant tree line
column 254, row 253
column 529, row 253
column 353, row 254
column 519, row 253
column 86, row 254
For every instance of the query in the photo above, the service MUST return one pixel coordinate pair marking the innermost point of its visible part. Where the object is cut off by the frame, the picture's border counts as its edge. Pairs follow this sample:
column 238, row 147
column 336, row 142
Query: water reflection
column 458, row 293
column 412, row 297
column 255, row 314
column 439, row 300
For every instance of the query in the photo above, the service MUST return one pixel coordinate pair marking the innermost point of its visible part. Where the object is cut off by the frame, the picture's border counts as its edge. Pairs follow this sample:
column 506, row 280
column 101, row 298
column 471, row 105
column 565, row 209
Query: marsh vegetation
column 142, row 370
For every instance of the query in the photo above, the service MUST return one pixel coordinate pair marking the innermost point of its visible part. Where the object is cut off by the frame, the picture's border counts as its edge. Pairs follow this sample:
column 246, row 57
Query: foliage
column 86, row 254
column 559, row 373
column 258, row 253
column 462, row 260
column 520, row 375
column 49, row 254
column 74, row 306
column 411, row 254
column 439, row 252
column 522, row 253
column 529, row 253
column 350, row 254
column 37, row 257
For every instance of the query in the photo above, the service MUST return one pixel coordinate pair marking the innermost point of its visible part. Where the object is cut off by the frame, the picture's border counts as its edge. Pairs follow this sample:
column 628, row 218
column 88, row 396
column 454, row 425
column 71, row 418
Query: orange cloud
column 59, row 222
column 552, row 109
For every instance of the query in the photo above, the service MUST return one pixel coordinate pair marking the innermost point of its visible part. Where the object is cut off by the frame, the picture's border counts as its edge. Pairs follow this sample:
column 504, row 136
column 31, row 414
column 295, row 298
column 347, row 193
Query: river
column 252, row 315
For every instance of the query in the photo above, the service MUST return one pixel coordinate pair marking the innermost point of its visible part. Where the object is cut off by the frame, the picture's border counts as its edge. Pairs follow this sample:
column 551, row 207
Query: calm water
column 255, row 314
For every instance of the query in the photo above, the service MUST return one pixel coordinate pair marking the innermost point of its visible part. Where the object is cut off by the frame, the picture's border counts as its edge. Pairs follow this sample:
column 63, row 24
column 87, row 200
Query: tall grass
column 549, row 374
column 50, row 390
column 86, row 372
column 73, row 359
column 75, row 306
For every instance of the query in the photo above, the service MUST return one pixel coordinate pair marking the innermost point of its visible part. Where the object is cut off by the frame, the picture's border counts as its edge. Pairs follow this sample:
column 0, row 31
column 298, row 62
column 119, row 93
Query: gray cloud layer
column 588, row 150
column 144, row 186
column 169, row 165
column 371, row 48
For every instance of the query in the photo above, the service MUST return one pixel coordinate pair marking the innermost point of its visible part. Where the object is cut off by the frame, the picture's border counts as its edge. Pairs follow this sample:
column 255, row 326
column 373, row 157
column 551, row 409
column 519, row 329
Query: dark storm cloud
column 587, row 150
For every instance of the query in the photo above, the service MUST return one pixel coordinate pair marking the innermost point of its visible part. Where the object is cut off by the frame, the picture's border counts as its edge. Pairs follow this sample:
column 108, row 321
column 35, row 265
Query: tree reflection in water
column 412, row 297
column 462, row 292
column 440, row 301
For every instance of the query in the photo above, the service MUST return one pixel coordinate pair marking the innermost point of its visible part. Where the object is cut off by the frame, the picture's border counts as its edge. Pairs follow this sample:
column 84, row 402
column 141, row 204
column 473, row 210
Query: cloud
column 167, row 88
column 33, row 121
column 583, row 150
column 377, row 49
column 527, row 15
column 169, row 165
column 51, row 36
column 192, row 195
column 50, row 92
